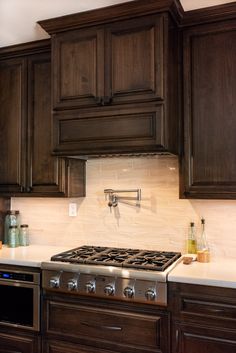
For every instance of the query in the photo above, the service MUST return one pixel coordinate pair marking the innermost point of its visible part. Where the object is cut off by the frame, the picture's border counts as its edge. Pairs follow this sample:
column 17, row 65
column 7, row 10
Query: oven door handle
column 103, row 327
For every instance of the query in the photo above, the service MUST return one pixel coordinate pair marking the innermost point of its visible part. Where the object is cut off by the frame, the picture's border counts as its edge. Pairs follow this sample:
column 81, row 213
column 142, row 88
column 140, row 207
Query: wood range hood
column 116, row 80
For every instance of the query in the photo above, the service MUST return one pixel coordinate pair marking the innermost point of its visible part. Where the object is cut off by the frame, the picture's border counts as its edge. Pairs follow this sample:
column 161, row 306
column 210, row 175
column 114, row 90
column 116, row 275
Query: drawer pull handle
column 216, row 310
column 111, row 328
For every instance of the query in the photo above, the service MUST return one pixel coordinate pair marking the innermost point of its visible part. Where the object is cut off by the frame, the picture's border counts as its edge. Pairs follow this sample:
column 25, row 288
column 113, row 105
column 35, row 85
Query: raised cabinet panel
column 134, row 60
column 78, row 70
column 105, row 329
column 210, row 107
column 192, row 339
column 12, row 124
column 11, row 343
column 60, row 347
column 102, row 132
column 44, row 174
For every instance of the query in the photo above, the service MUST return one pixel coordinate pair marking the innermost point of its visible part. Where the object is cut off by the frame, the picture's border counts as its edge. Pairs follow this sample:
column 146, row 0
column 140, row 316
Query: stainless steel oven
column 20, row 298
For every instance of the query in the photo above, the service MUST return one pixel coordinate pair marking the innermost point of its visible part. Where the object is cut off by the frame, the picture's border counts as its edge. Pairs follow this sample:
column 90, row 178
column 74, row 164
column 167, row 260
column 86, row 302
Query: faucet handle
column 110, row 205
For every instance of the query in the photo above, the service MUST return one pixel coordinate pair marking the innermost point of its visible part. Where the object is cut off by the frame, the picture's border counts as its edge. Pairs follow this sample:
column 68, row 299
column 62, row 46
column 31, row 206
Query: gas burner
column 78, row 255
column 152, row 260
column 112, row 256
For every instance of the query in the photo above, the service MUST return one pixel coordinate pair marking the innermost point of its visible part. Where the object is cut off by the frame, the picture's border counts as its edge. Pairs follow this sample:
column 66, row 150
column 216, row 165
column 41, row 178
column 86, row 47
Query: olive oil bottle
column 191, row 242
column 203, row 250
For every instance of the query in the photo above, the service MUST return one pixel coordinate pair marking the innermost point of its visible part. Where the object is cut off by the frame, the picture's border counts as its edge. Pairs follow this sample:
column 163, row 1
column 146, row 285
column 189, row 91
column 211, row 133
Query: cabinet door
column 134, row 60
column 193, row 339
column 11, row 343
column 44, row 171
column 12, row 125
column 78, row 70
column 209, row 111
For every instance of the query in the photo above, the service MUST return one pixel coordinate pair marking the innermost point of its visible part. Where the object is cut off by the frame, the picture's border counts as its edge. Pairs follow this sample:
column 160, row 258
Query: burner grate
column 121, row 257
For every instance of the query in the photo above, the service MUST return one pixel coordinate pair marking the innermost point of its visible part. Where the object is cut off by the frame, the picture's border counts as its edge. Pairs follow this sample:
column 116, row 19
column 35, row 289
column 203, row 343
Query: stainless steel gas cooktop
column 114, row 273
column 121, row 257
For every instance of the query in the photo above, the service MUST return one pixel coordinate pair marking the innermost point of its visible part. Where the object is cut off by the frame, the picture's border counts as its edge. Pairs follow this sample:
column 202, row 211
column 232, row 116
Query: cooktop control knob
column 54, row 282
column 72, row 284
column 109, row 289
column 150, row 294
column 128, row 292
column 90, row 287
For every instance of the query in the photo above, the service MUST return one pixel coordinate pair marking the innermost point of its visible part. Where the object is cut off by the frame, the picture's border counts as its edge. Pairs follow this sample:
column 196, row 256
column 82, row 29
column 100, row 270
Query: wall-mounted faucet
column 113, row 198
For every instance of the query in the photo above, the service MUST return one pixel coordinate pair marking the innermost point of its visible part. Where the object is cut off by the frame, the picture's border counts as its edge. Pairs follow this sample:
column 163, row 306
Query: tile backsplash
column 161, row 221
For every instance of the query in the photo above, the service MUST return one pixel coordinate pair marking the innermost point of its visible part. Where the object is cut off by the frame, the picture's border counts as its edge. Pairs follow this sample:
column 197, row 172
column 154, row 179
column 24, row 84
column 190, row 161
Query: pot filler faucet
column 113, row 198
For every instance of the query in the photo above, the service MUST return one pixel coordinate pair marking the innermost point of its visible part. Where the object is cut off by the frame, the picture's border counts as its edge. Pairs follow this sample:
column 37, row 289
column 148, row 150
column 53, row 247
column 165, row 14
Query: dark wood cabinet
column 109, row 64
column 27, row 167
column 195, row 339
column 203, row 318
column 106, row 72
column 103, row 328
column 209, row 161
column 13, row 78
column 134, row 70
column 78, row 68
column 19, row 343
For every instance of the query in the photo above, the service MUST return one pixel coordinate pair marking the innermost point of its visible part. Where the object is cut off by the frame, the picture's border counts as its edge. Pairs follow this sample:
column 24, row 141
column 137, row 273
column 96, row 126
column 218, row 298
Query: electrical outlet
column 72, row 209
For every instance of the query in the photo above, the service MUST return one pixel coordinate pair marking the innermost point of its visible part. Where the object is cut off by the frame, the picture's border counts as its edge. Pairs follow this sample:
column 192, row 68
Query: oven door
column 20, row 305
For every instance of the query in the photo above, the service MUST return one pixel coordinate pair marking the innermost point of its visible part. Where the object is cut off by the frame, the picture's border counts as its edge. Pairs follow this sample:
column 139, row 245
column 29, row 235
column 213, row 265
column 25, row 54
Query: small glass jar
column 24, row 235
column 13, row 237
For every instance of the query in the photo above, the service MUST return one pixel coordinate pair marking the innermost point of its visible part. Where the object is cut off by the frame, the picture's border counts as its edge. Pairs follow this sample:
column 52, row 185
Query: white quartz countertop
column 32, row 255
column 219, row 272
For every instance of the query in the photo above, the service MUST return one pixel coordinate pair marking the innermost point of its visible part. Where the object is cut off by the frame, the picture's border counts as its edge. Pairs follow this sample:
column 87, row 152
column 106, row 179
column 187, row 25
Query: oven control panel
column 128, row 289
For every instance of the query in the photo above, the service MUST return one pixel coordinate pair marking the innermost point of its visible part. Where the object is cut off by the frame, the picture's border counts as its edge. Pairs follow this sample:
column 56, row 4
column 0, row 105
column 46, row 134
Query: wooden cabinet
column 194, row 339
column 203, row 318
column 19, row 343
column 105, row 328
column 209, row 161
column 27, row 167
column 107, row 71
column 12, row 124
column 109, row 64
column 78, row 68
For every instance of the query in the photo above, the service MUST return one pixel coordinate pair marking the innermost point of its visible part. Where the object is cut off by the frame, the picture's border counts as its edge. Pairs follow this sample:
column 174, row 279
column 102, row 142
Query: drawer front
column 108, row 326
column 207, row 308
column 203, row 304
column 195, row 339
